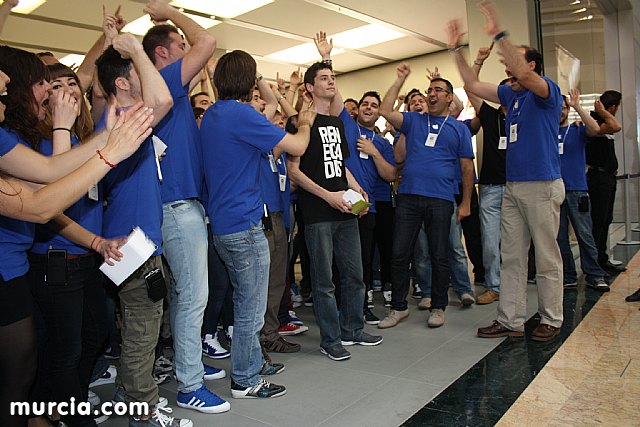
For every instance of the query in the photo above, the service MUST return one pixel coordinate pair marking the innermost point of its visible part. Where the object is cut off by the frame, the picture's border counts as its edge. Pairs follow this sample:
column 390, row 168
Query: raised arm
column 483, row 54
column 5, row 10
column 294, row 82
column 287, row 109
column 202, row 43
column 574, row 102
column 472, row 84
column 155, row 92
column 64, row 112
column 386, row 108
column 324, row 47
column 610, row 124
column 271, row 103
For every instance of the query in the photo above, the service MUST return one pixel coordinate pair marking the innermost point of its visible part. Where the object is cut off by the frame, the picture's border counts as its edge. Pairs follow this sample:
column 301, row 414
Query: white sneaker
column 370, row 299
column 93, row 398
column 212, row 348
column 160, row 419
column 387, row 298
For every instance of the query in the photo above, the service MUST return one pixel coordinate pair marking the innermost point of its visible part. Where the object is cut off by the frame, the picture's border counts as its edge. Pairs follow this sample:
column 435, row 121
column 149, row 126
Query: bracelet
column 97, row 243
column 500, row 36
column 55, row 129
column 281, row 98
column 111, row 165
column 478, row 63
column 259, row 77
column 327, row 61
column 304, row 123
column 455, row 49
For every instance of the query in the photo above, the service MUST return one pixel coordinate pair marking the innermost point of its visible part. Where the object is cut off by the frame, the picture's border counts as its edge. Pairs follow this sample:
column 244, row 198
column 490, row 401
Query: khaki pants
column 531, row 210
column 141, row 319
column 277, row 239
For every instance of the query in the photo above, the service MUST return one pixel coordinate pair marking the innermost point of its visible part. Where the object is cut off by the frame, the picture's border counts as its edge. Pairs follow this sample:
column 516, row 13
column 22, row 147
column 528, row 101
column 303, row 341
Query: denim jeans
column 220, row 304
column 581, row 222
column 75, row 329
column 422, row 263
column 490, row 213
column 323, row 240
column 435, row 214
column 184, row 236
column 458, row 264
column 246, row 256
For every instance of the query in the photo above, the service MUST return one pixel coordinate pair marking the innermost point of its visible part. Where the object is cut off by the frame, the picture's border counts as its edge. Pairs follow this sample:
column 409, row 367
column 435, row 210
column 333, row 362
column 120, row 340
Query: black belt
column 600, row 169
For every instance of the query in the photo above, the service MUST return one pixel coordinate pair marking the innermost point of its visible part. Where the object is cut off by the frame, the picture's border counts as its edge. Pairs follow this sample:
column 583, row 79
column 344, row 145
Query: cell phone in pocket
column 56, row 267
column 156, row 286
column 583, row 204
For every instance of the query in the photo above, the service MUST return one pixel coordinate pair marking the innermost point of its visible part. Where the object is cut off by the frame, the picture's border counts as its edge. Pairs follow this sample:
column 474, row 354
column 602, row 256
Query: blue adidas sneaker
column 211, row 373
column 203, row 400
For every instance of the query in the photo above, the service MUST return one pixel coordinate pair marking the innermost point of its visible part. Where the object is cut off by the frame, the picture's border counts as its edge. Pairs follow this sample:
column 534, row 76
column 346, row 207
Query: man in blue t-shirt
column 572, row 139
column 184, row 231
column 434, row 144
column 373, row 164
column 534, row 189
column 133, row 199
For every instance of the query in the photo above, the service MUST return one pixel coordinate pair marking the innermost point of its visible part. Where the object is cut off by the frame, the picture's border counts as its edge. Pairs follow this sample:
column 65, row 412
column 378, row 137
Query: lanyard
column 429, row 124
column 565, row 134
column 360, row 128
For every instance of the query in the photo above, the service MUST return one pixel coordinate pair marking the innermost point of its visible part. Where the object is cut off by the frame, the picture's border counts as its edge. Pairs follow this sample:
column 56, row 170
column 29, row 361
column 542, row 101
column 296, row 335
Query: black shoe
column 369, row 317
column 634, row 297
column 598, row 285
column 263, row 389
column 612, row 268
column 336, row 352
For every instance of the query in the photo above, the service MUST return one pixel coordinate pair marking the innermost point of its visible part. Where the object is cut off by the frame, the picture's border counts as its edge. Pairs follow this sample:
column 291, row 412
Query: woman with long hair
column 22, row 203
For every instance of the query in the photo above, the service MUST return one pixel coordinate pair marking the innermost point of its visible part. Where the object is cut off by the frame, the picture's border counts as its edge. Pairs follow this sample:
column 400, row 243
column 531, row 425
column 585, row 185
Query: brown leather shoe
column 497, row 330
column 488, row 297
column 544, row 332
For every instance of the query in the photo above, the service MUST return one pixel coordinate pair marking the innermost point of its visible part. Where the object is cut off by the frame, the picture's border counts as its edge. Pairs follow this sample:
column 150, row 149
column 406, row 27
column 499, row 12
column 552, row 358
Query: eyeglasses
column 436, row 89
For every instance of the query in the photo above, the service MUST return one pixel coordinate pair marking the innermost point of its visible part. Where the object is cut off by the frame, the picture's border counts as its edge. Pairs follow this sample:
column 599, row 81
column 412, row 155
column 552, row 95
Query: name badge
column 93, row 193
column 502, row 145
column 363, row 155
column 561, row 147
column 283, row 182
column 513, row 133
column 431, row 140
column 272, row 163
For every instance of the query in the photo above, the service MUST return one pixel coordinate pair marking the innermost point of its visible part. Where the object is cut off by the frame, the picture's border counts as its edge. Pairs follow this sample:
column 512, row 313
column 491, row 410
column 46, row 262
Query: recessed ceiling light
column 367, row 35
column 585, row 18
column 221, row 8
column 575, row 2
column 582, row 9
column 141, row 25
column 72, row 60
column 27, row 6
column 301, row 54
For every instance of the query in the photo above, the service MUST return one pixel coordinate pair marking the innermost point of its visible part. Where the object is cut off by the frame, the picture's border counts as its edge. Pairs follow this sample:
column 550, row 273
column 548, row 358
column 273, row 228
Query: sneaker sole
column 468, row 302
column 291, row 333
column 240, row 395
column 599, row 288
column 516, row 334
column 432, row 326
column 217, row 356
column 217, row 376
column 323, row 351
column 367, row 344
column 207, row 409
column 370, row 305
column 372, row 322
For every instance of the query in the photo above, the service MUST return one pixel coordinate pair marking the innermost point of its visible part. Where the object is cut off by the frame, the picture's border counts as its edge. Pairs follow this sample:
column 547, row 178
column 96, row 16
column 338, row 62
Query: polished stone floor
column 462, row 379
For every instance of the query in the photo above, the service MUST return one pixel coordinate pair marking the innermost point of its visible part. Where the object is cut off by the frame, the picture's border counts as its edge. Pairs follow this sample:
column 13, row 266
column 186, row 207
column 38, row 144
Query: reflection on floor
column 588, row 371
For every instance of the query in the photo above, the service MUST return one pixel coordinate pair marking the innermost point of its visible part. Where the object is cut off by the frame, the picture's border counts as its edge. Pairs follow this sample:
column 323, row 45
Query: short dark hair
column 350, row 100
column 25, row 70
column 445, row 81
column 192, row 98
column 407, row 98
column 110, row 66
column 157, row 36
column 531, row 54
column 371, row 93
column 610, row 98
column 41, row 54
column 312, row 72
column 235, row 76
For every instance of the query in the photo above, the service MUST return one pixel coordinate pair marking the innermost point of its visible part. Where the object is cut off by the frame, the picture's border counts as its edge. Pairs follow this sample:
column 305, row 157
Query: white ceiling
column 72, row 26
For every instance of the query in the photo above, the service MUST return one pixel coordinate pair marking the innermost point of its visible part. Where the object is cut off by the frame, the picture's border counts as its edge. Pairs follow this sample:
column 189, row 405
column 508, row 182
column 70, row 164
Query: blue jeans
column 246, row 255
column 412, row 211
column 323, row 240
column 581, row 222
column 490, row 213
column 458, row 264
column 220, row 305
column 184, row 236
column 422, row 263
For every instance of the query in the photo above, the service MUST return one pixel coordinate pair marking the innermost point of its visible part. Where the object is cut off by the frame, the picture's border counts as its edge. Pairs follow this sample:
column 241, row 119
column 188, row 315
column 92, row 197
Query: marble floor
column 462, row 379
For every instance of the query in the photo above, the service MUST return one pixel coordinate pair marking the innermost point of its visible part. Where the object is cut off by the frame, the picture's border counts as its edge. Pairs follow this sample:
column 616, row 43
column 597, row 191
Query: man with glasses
column 434, row 143
column 534, row 189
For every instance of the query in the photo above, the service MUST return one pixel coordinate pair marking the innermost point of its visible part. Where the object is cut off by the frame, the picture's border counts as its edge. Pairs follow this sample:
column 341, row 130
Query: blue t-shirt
column 431, row 171
column 182, row 174
column 233, row 137
column 85, row 212
column 8, row 140
column 285, row 195
column 132, row 195
column 364, row 170
column 270, row 182
column 534, row 156
column 573, row 159
column 16, row 237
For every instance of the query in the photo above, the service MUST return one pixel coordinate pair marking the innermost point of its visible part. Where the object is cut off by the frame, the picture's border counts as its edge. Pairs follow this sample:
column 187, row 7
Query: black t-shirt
column 493, row 159
column 323, row 163
column 601, row 150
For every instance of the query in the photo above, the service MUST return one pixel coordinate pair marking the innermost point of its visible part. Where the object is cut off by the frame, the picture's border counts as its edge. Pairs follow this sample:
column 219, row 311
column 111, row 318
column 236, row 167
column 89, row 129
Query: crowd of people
column 252, row 176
